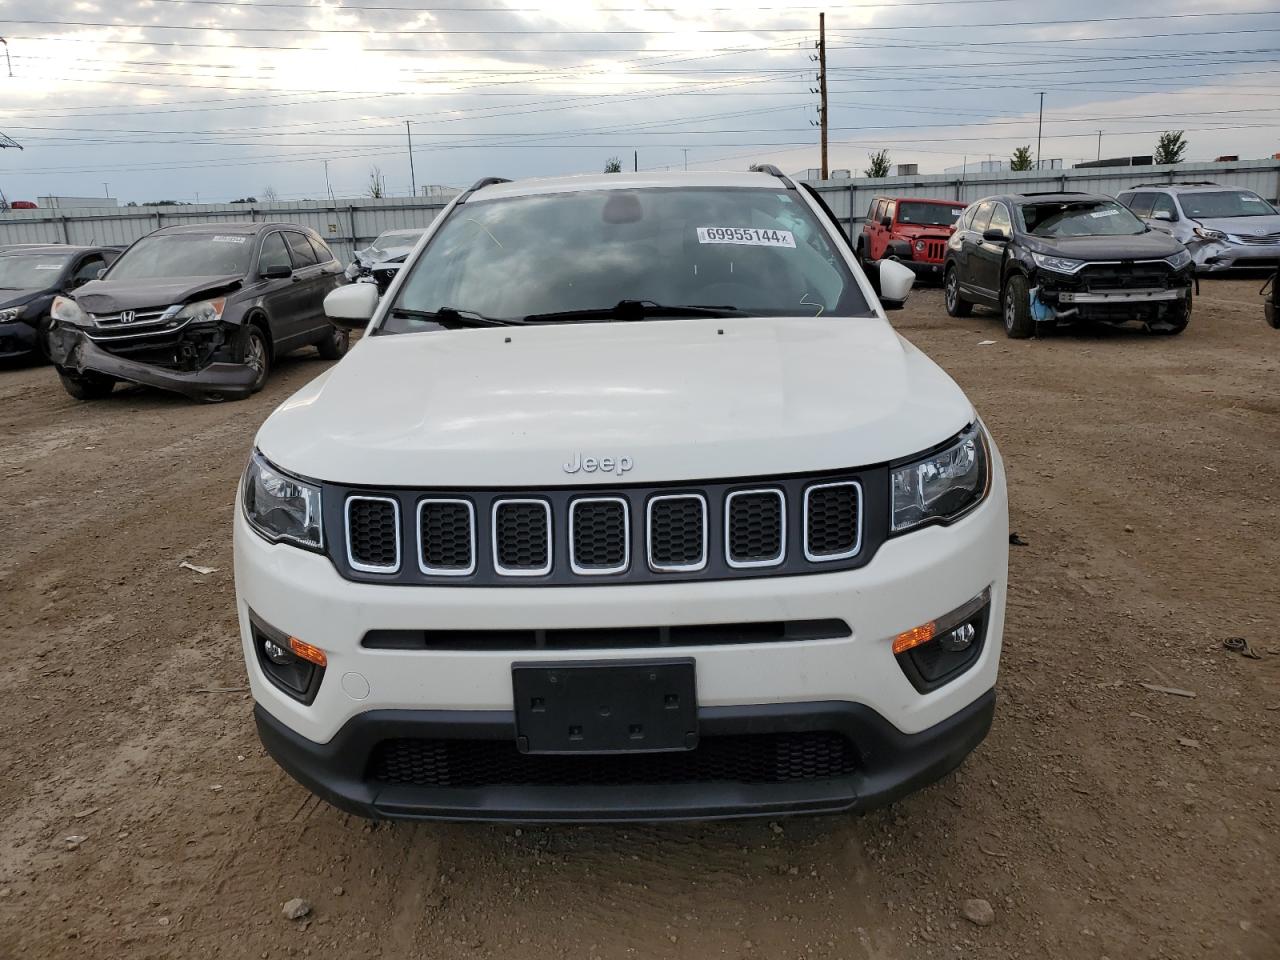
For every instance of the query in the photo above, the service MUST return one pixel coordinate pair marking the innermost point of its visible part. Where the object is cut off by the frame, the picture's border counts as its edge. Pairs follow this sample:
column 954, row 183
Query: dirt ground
column 1100, row 818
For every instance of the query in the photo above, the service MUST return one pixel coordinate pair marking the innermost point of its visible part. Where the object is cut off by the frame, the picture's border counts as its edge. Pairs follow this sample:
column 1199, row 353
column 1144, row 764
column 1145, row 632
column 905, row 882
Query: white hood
column 682, row 400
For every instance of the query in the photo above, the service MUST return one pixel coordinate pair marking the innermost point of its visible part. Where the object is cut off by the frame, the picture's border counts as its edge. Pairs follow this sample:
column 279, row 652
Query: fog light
column 276, row 653
column 937, row 652
column 958, row 639
column 292, row 665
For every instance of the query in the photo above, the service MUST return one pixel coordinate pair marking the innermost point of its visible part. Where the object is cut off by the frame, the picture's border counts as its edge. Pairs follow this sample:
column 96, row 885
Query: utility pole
column 106, row 192
column 1039, row 129
column 635, row 161
column 413, row 180
column 1099, row 144
column 327, row 189
column 822, row 85
column 686, row 159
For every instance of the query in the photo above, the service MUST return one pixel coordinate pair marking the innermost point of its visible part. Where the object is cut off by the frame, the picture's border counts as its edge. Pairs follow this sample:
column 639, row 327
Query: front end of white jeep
column 674, row 569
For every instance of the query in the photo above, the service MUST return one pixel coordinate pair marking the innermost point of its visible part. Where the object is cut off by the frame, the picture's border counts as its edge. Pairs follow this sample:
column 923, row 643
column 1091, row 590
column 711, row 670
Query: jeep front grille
column 715, row 530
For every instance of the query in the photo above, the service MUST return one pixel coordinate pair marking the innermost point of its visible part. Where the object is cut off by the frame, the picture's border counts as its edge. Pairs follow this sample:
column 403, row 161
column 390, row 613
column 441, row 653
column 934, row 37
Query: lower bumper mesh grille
column 747, row 758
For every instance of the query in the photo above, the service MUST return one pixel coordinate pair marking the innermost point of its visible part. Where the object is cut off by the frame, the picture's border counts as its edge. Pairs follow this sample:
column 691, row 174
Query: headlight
column 281, row 507
column 10, row 314
column 352, row 271
column 66, row 310
column 1058, row 264
column 943, row 485
column 202, row 311
column 1179, row 260
column 1206, row 234
column 919, row 244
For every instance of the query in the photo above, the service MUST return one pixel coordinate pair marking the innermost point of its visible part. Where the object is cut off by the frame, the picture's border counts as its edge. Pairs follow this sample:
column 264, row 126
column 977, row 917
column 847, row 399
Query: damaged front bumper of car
column 193, row 360
column 1144, row 291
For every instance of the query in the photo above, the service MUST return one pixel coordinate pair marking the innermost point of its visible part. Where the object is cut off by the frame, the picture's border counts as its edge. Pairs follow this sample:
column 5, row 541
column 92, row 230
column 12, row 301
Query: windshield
column 1224, row 203
column 30, row 271
column 1080, row 218
column 929, row 214
column 394, row 240
column 184, row 255
column 758, row 251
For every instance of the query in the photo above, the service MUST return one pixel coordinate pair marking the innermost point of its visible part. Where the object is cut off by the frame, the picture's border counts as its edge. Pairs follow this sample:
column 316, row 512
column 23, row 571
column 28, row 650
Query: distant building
column 76, row 203
column 907, row 170
column 1141, row 161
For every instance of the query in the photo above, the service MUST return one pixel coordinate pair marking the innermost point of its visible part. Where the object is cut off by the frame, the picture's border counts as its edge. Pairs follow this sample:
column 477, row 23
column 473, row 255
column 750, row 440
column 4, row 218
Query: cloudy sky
column 218, row 99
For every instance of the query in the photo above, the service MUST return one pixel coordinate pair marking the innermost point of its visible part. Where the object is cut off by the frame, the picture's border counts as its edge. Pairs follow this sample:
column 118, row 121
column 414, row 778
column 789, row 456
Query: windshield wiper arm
column 452, row 315
column 625, row 310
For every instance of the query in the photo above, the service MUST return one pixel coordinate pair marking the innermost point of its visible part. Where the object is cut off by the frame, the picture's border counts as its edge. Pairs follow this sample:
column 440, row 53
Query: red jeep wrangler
column 911, row 231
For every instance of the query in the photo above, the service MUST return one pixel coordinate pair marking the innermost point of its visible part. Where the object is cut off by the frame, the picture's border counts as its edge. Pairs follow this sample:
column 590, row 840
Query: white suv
column 629, row 504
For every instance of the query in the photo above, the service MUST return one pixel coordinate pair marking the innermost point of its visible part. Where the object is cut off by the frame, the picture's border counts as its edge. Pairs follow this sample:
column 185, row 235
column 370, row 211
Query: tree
column 1021, row 159
column 269, row 194
column 1170, row 147
column 879, row 164
column 613, row 166
column 377, row 187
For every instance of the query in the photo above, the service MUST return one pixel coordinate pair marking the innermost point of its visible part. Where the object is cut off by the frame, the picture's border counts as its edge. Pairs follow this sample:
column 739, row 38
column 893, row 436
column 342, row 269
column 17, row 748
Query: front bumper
column 890, row 765
column 852, row 683
column 18, row 339
column 1215, row 256
column 72, row 349
column 924, row 269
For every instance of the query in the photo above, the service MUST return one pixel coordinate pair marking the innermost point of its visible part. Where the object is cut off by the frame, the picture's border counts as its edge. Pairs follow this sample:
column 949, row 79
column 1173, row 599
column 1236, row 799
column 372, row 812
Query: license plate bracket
column 586, row 706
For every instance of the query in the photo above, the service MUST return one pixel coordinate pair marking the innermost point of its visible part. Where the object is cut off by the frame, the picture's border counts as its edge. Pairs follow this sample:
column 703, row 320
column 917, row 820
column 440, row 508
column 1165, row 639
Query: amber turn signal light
column 909, row 639
column 309, row 653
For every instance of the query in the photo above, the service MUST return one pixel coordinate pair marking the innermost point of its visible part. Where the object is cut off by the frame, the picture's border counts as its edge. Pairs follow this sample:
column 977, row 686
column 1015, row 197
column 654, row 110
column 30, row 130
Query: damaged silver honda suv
column 201, row 310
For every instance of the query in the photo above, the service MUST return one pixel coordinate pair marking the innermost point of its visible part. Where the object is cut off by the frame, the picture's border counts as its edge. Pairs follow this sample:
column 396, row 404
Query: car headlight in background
column 10, row 314
column 352, row 271
column 945, row 484
column 66, row 310
column 1206, row 234
column 202, row 311
column 1179, row 260
column 281, row 507
column 919, row 244
column 1058, row 264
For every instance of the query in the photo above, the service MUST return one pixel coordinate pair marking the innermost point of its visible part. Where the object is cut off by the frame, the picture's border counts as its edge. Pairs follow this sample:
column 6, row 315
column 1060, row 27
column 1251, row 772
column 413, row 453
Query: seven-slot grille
column 626, row 535
column 935, row 250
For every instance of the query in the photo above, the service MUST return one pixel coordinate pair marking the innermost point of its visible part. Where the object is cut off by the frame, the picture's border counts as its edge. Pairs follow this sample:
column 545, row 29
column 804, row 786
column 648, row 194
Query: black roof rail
column 1175, row 183
column 480, row 185
column 773, row 171
column 1055, row 193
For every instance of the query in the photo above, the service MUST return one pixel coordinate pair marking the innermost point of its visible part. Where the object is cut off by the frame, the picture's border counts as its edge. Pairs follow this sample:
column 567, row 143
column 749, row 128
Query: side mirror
column 1164, row 215
column 895, row 284
column 276, row 272
column 352, row 306
column 995, row 236
column 886, row 222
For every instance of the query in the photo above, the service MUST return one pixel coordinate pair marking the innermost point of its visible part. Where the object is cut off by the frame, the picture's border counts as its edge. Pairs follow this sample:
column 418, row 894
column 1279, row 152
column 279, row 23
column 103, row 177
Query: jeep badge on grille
column 579, row 463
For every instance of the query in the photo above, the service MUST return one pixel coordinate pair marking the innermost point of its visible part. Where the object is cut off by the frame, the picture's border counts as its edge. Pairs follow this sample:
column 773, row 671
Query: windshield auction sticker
column 228, row 239
column 748, row 236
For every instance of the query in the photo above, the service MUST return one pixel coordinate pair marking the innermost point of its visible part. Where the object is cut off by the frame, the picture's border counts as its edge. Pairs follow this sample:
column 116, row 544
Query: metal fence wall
column 346, row 226
column 850, row 199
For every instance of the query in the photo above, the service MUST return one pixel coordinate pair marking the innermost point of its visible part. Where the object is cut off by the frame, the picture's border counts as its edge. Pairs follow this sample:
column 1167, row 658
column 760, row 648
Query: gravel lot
column 1100, row 819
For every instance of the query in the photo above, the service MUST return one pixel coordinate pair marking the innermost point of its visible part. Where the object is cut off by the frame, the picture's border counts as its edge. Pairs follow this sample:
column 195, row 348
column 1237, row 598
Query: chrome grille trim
column 857, row 543
column 395, row 513
column 782, row 533
column 626, row 538
column 648, row 534
column 493, row 528
column 447, row 571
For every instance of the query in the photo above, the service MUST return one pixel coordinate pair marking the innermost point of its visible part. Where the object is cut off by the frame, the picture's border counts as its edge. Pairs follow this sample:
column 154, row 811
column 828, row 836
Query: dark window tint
column 300, row 247
column 758, row 250
column 1164, row 204
column 929, row 214
column 1140, row 204
column 1000, row 219
column 88, row 268
column 274, row 254
column 323, row 253
column 982, row 216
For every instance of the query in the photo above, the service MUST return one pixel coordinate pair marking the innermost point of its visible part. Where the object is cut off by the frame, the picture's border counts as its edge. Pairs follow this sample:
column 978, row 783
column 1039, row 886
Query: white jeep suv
column 630, row 504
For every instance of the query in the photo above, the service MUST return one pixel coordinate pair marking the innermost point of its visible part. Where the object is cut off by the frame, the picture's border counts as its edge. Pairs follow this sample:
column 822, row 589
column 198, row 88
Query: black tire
column 1175, row 319
column 255, row 352
column 335, row 343
column 86, row 386
column 1015, row 307
column 957, row 306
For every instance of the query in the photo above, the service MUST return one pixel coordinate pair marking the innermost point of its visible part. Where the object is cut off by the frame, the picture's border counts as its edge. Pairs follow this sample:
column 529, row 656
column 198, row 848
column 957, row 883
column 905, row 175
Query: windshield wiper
column 452, row 315
column 627, row 310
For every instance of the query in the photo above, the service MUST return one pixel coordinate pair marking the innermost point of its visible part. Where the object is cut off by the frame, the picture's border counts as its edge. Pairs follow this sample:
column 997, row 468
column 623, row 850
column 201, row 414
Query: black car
column 1042, row 258
column 31, row 275
column 200, row 309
